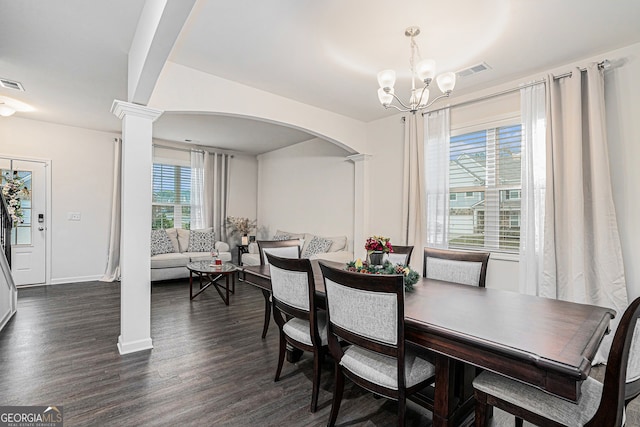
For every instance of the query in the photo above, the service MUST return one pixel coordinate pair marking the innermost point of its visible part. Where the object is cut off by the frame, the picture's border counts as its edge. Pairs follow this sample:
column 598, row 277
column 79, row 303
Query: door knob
column 41, row 228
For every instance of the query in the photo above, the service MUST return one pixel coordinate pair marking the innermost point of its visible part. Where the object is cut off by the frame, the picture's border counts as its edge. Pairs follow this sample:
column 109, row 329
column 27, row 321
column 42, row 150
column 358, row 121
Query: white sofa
column 173, row 265
column 338, row 250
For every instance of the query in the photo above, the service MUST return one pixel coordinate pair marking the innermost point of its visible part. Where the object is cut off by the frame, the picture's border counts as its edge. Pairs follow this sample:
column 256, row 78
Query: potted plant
column 376, row 247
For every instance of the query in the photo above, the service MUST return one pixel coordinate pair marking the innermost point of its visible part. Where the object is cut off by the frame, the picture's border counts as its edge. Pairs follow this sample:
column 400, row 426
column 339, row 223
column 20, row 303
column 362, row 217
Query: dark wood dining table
column 544, row 342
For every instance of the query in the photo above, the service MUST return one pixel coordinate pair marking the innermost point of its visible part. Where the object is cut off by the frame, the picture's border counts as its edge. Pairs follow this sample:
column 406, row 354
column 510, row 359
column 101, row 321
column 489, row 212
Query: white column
column 361, row 204
column 135, row 239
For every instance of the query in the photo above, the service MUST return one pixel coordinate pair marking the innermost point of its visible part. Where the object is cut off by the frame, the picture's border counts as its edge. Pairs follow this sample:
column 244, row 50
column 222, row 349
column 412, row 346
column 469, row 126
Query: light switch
column 73, row 216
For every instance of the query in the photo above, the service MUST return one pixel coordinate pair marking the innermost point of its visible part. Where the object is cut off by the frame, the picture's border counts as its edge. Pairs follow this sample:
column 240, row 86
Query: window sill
column 502, row 256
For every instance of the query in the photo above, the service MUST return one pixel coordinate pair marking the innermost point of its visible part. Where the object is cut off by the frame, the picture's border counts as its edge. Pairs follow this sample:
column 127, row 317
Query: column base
column 134, row 346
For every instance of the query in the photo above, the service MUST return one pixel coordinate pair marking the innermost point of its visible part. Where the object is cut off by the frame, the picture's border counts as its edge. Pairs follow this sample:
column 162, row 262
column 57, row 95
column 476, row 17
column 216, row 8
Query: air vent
column 10, row 84
column 473, row 70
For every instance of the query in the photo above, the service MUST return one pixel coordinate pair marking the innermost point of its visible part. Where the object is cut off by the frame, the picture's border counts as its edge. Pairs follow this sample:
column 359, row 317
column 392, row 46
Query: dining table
column 544, row 342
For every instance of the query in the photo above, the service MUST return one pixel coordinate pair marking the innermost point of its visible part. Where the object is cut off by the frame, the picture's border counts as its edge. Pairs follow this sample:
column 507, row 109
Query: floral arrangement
column 410, row 276
column 13, row 191
column 240, row 224
column 378, row 244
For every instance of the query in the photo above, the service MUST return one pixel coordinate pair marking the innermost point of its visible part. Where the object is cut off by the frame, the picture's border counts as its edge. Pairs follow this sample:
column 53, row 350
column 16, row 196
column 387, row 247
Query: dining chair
column 464, row 267
column 299, row 321
column 366, row 312
column 284, row 249
column 281, row 248
column 600, row 404
column 400, row 255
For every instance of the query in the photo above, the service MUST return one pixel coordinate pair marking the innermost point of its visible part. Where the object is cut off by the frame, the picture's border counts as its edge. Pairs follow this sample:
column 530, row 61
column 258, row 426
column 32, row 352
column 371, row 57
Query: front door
column 28, row 236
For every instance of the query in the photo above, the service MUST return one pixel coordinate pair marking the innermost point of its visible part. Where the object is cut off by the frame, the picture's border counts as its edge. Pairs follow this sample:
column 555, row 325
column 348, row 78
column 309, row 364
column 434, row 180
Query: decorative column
column 361, row 204
column 135, row 239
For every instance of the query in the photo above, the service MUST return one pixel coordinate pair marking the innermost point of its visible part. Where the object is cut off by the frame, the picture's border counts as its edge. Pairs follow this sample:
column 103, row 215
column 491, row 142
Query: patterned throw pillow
column 317, row 245
column 160, row 243
column 201, row 241
column 281, row 237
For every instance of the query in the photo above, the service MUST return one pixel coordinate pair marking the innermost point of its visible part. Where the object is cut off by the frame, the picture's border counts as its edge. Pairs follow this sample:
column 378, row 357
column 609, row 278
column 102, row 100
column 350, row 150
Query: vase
column 375, row 257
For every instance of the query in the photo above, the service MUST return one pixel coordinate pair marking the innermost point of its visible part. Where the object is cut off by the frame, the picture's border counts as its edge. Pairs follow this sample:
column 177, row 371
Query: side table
column 242, row 249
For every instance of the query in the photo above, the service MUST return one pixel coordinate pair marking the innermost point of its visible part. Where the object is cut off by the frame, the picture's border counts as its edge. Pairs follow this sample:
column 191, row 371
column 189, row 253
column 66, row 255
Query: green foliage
column 410, row 276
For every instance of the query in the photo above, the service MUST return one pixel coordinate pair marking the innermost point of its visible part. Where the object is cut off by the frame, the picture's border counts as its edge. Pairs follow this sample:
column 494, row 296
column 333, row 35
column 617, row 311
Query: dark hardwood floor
column 208, row 367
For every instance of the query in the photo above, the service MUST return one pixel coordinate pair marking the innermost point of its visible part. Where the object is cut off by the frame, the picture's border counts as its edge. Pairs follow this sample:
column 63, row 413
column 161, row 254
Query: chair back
column 610, row 411
column 281, row 248
column 400, row 255
column 292, row 282
column 365, row 310
column 467, row 268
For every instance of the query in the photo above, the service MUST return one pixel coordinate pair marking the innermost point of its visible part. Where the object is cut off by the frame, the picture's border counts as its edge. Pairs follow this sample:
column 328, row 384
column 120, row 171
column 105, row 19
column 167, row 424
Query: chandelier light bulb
column 426, row 70
column 446, row 82
column 387, row 78
column 6, row 111
column 385, row 97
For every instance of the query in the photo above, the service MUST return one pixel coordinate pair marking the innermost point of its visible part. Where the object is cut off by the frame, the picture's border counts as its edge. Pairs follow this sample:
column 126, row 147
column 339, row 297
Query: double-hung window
column 484, row 188
column 171, row 201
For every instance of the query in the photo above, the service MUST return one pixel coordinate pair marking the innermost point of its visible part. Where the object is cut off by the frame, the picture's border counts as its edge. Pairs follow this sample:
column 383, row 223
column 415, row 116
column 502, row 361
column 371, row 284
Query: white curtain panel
column 112, row 272
column 413, row 218
column 436, row 141
column 583, row 256
column 197, row 190
column 216, row 192
column 534, row 184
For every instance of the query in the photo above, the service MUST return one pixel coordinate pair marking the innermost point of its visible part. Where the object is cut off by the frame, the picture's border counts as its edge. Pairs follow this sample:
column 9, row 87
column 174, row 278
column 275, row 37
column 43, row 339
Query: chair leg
column 317, row 365
column 482, row 415
column 283, row 350
column 337, row 395
column 267, row 313
column 402, row 408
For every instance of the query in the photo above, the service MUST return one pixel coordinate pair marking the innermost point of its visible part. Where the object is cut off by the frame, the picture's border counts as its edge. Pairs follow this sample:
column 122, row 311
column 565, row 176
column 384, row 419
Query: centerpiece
column 376, row 247
column 410, row 276
column 241, row 225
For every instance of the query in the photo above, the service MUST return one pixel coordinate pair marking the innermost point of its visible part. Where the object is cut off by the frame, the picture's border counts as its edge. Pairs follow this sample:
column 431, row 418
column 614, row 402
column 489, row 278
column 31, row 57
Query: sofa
column 312, row 247
column 172, row 249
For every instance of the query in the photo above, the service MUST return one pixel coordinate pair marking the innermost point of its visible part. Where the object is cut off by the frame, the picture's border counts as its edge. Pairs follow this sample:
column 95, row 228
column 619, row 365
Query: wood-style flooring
column 208, row 366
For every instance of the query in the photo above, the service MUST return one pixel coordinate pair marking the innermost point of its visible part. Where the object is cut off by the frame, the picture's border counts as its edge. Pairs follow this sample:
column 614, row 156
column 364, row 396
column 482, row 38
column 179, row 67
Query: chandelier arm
column 444, row 95
column 422, row 95
column 397, row 108
column 400, row 102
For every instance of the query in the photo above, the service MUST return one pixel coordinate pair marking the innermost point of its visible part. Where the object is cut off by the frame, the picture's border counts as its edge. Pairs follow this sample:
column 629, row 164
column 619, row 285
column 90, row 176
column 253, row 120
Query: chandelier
column 421, row 69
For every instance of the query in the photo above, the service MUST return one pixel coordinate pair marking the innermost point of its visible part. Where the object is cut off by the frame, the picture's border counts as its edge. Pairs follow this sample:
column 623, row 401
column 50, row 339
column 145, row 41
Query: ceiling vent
column 478, row 68
column 10, row 84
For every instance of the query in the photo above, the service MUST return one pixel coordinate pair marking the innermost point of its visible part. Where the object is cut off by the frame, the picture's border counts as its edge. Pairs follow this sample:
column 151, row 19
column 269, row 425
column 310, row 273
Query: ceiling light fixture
column 422, row 69
column 5, row 110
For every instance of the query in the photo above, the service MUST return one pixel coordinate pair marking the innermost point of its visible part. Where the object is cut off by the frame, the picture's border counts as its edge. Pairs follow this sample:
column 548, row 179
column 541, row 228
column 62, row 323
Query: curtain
column 217, row 169
column 413, row 218
column 436, row 143
column 112, row 272
column 582, row 252
column 198, row 210
column 533, row 178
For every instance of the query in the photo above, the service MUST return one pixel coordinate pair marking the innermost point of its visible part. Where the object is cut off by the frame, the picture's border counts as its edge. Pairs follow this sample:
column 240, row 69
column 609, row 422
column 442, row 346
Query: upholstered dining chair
column 281, row 248
column 400, row 255
column 367, row 313
column 299, row 321
column 464, row 267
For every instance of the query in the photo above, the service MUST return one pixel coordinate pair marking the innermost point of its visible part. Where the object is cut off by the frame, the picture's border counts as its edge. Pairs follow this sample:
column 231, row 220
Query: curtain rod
column 189, row 150
column 602, row 65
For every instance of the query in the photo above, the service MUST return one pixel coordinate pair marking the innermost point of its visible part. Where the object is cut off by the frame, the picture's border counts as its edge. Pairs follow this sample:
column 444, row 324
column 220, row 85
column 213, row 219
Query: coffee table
column 208, row 274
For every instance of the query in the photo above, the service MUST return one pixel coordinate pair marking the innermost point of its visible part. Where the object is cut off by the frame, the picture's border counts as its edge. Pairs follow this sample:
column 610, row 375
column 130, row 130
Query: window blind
column 171, row 196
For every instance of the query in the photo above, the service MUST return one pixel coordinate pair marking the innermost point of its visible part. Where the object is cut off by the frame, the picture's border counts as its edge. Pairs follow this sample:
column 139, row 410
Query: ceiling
column 71, row 55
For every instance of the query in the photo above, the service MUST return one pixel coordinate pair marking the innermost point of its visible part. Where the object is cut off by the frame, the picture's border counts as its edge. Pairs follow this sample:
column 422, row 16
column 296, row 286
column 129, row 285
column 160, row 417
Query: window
column 171, row 201
column 21, row 233
column 453, row 197
column 484, row 178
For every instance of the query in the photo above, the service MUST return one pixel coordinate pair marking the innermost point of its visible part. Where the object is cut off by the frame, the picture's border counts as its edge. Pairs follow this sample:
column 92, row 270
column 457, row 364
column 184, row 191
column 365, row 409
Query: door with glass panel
column 24, row 186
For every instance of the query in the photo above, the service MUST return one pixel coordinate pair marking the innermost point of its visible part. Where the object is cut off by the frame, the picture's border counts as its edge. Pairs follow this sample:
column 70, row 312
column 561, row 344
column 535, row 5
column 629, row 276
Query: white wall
column 306, row 188
column 81, row 175
column 622, row 89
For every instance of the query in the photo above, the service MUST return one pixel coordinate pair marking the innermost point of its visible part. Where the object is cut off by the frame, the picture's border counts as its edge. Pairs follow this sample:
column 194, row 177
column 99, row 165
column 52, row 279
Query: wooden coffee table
column 209, row 274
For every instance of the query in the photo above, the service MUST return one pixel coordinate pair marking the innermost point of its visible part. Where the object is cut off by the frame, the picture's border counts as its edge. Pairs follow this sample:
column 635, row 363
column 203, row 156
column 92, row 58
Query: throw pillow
column 317, row 245
column 201, row 241
column 281, row 237
column 160, row 242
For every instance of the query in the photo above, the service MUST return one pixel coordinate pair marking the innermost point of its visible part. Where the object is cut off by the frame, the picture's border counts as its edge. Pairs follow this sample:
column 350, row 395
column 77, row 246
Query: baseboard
column 5, row 319
column 77, row 279
column 134, row 346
